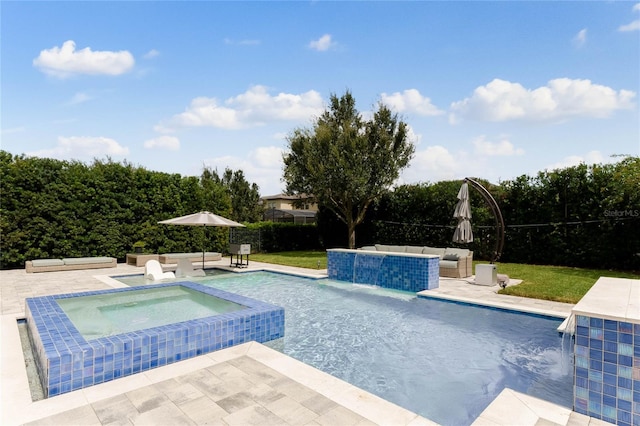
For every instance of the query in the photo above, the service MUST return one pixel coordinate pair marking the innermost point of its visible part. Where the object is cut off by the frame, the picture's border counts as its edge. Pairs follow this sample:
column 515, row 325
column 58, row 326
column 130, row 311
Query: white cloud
column 502, row 148
column 253, row 108
column 151, row 54
column 79, row 98
column 633, row 26
column 561, row 98
column 267, row 157
column 323, row 44
column 435, row 163
column 581, row 38
column 591, row 157
column 163, row 142
column 262, row 166
column 66, row 61
column 83, row 147
column 411, row 101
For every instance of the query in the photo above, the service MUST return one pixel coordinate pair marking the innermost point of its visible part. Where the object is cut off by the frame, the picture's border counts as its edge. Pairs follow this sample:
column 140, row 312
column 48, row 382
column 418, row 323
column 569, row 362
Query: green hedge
column 53, row 209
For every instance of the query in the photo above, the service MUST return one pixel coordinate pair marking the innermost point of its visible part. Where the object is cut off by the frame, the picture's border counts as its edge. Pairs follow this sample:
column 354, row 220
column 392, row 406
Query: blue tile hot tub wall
column 399, row 272
column 607, row 370
column 67, row 362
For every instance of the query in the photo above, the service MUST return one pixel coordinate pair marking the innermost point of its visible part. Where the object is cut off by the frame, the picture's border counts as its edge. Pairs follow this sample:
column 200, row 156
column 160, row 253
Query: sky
column 492, row 90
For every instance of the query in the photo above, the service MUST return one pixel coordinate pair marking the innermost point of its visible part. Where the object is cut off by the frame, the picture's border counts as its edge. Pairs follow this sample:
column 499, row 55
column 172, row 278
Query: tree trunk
column 352, row 234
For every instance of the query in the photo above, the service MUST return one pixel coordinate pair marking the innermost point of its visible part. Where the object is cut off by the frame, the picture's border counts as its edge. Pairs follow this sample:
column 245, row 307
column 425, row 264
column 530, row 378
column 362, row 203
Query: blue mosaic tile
column 605, row 352
column 68, row 362
column 399, row 272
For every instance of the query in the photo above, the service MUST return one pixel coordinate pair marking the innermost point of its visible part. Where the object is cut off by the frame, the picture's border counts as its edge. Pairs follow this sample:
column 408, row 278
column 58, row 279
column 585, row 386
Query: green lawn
column 559, row 283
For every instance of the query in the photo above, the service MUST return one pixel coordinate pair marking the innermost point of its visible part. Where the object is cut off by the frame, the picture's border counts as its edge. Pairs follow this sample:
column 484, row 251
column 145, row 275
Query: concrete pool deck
column 244, row 385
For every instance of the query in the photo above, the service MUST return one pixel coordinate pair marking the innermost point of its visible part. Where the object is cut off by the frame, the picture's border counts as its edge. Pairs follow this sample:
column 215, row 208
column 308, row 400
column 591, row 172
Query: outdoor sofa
column 194, row 257
column 70, row 264
column 454, row 262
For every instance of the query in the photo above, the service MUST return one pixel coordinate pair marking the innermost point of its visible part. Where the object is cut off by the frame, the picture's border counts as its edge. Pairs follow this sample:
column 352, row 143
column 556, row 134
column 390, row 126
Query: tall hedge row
column 53, row 209
column 585, row 216
column 577, row 216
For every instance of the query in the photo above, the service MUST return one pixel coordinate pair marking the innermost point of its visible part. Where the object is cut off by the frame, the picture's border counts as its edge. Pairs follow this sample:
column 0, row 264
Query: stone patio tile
column 223, row 389
column 147, row 398
column 115, row 410
column 254, row 415
column 178, row 392
column 226, row 370
column 293, row 389
column 203, row 411
column 236, row 402
column 165, row 414
column 264, row 394
column 291, row 411
column 319, row 404
column 257, row 371
column 340, row 416
column 83, row 415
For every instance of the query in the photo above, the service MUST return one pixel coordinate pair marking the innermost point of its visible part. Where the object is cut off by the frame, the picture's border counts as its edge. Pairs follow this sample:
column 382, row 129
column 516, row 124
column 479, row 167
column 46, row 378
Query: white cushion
column 393, row 249
column 458, row 251
column 433, row 250
column 86, row 260
column 47, row 262
column 414, row 249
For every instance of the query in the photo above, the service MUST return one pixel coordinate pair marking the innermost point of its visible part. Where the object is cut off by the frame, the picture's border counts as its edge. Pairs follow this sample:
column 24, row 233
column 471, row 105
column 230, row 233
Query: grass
column 557, row 283
column 301, row 259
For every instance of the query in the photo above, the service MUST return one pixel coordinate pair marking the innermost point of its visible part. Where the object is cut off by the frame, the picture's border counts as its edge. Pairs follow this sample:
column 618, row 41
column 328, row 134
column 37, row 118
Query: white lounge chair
column 153, row 270
column 185, row 269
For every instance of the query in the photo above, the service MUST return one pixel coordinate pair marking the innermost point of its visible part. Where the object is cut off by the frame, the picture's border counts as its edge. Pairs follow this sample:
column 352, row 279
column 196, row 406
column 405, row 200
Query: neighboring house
column 289, row 208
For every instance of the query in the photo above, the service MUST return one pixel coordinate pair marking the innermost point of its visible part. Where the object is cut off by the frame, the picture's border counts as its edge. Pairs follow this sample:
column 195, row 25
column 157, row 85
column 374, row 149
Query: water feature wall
column 607, row 352
column 399, row 271
column 66, row 361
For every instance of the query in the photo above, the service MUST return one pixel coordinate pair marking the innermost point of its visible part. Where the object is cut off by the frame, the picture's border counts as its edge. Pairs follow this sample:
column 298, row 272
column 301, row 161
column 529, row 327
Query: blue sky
column 490, row 89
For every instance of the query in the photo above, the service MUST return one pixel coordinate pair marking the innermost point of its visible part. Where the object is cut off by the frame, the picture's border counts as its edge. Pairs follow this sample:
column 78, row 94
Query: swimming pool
column 442, row 360
column 68, row 360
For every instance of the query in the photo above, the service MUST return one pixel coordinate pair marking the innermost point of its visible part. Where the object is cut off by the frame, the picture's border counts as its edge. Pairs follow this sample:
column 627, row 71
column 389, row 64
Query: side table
column 139, row 259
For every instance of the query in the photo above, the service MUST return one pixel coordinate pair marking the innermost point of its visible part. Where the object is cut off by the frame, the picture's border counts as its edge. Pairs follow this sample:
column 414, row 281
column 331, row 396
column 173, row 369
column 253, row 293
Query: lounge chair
column 153, row 270
column 185, row 269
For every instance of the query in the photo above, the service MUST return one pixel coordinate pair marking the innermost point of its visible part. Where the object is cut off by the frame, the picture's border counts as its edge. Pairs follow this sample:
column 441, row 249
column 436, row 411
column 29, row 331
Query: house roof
column 285, row 197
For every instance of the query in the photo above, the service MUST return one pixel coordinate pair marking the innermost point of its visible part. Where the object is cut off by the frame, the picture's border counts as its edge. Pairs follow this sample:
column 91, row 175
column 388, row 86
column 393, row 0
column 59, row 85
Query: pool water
column 442, row 360
column 116, row 313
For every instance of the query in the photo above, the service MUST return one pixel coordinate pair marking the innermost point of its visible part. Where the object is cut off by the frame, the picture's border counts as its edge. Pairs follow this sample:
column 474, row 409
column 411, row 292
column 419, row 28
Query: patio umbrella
column 202, row 219
column 462, row 212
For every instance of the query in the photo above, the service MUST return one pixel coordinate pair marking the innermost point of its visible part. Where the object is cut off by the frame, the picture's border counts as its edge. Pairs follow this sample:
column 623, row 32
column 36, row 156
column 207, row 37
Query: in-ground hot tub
column 84, row 339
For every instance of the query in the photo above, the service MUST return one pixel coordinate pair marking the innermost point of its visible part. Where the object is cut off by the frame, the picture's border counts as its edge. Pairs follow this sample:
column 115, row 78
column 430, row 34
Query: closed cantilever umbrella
column 203, row 218
column 462, row 212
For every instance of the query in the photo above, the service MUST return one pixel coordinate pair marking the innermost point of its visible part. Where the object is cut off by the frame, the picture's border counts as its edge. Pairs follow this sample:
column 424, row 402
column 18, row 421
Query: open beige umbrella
column 202, row 219
column 462, row 212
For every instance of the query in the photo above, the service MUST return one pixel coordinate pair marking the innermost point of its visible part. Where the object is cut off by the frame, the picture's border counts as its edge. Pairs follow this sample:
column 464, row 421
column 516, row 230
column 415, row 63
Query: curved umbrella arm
column 497, row 214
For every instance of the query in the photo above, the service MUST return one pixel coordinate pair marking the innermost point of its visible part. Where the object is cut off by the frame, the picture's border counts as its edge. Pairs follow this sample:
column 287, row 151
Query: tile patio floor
column 249, row 384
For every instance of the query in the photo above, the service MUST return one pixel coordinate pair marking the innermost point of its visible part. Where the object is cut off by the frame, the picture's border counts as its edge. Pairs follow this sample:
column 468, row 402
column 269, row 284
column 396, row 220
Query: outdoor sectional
column 70, row 264
column 194, row 257
column 454, row 262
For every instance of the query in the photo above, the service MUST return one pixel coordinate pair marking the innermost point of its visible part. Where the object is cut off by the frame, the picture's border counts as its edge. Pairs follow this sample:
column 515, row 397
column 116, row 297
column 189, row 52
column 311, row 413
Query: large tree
column 244, row 198
column 347, row 162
